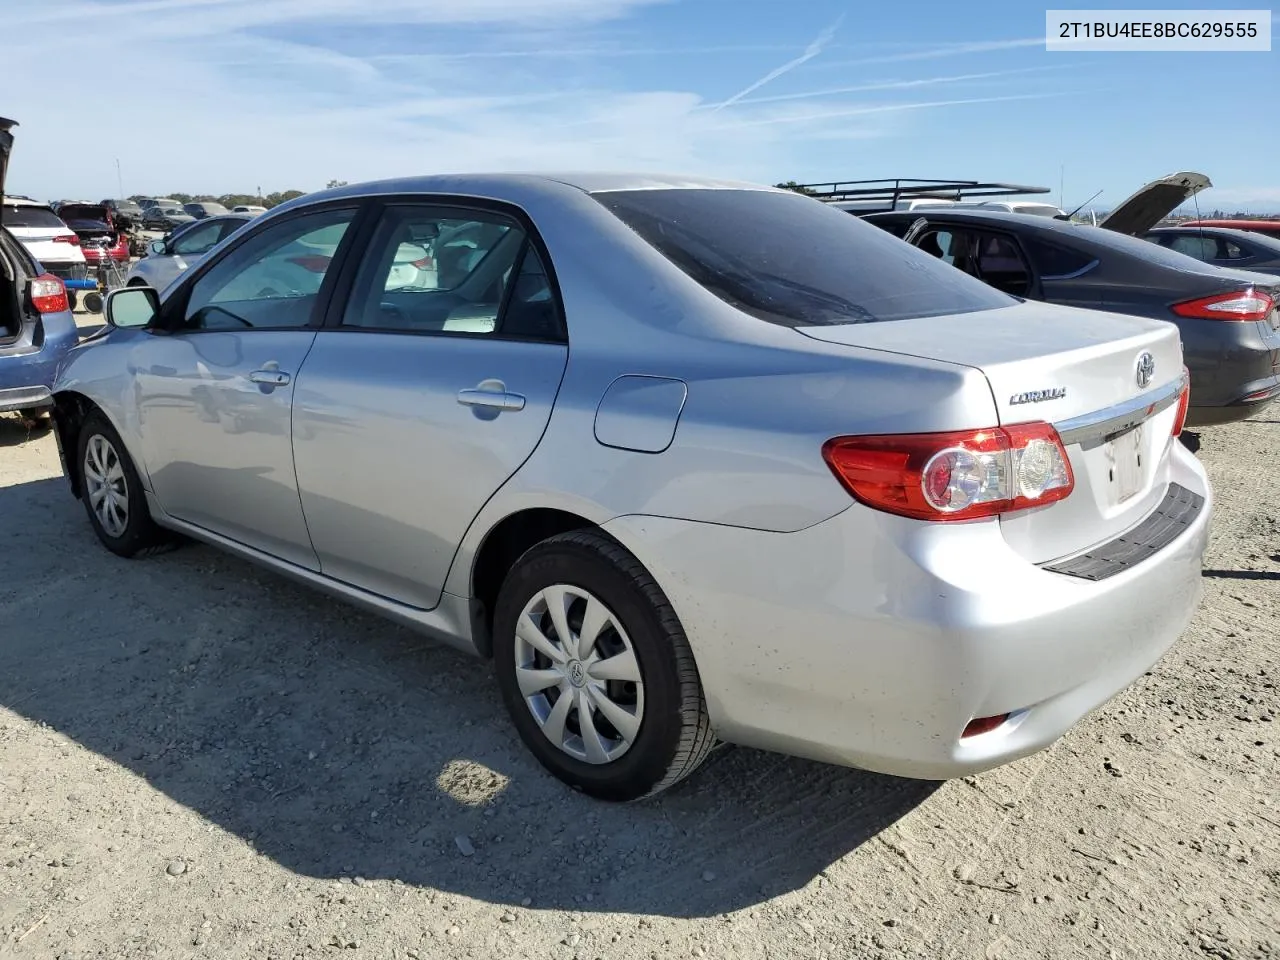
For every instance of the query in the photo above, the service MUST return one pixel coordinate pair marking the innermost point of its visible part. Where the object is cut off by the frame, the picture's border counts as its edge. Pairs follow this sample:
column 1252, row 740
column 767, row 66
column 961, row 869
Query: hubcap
column 105, row 485
column 578, row 673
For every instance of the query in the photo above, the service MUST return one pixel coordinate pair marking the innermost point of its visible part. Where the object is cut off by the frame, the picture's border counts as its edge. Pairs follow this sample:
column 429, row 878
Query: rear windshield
column 1135, row 246
column 21, row 215
column 794, row 261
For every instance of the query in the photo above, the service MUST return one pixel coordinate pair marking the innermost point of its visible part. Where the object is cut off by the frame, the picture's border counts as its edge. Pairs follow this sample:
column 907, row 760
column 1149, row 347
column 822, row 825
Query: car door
column 215, row 383
column 426, row 390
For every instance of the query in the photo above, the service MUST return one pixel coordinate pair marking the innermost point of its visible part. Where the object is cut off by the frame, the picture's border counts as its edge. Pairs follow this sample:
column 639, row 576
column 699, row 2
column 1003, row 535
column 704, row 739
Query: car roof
column 1246, row 236
column 971, row 214
column 498, row 183
column 19, row 201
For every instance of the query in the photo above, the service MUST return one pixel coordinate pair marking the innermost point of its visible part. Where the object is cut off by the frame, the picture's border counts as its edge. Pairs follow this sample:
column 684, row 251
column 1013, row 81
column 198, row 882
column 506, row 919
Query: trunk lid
column 1153, row 202
column 1108, row 382
column 6, row 147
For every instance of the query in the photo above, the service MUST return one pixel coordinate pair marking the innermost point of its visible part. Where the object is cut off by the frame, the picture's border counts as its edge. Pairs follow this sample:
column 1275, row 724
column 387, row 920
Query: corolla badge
column 1038, row 396
column 1145, row 370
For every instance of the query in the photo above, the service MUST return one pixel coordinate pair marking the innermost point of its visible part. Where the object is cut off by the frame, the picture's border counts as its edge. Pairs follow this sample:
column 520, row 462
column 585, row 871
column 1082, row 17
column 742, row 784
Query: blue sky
column 229, row 95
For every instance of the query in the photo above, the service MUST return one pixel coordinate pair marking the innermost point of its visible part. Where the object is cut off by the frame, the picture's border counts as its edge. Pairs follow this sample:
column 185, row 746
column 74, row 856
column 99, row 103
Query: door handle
column 491, row 395
column 275, row 378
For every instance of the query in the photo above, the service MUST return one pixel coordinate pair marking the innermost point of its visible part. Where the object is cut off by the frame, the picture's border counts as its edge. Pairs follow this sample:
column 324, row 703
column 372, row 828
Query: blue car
column 37, row 328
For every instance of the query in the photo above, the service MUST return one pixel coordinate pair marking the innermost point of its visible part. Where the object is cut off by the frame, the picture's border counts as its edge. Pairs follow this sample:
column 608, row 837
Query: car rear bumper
column 1235, row 369
column 872, row 641
column 28, row 369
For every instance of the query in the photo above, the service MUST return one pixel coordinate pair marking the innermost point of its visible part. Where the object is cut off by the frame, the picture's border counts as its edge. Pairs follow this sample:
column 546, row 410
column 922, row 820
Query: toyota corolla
column 688, row 460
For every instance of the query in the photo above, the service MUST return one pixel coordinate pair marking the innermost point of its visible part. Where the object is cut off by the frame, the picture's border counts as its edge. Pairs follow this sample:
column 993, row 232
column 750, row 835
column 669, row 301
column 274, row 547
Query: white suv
column 50, row 241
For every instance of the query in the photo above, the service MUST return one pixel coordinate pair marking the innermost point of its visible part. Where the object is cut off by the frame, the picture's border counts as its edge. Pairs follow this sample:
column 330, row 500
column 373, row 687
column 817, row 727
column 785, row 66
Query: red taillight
column 1184, row 401
column 954, row 476
column 72, row 239
column 316, row 263
column 426, row 263
column 48, row 295
column 1247, row 304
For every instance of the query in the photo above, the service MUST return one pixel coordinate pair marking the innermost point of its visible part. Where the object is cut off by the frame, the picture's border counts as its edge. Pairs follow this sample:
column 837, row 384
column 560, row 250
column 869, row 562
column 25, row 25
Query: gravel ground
column 199, row 759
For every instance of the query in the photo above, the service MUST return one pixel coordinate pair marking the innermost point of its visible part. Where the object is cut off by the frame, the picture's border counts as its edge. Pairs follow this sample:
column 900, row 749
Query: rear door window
column 21, row 215
column 795, row 261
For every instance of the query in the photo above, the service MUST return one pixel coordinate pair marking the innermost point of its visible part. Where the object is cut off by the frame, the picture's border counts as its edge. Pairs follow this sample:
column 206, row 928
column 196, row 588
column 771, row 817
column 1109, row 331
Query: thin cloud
column 810, row 116
column 944, row 50
column 894, row 85
column 811, row 51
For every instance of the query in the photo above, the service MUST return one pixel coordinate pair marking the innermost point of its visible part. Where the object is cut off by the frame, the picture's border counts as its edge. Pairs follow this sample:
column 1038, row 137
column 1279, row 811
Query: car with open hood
column 102, row 239
column 1229, row 319
column 688, row 459
column 37, row 329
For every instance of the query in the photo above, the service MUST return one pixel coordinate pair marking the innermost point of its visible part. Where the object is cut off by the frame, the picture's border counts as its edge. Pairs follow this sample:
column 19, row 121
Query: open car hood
column 6, row 145
column 1152, row 203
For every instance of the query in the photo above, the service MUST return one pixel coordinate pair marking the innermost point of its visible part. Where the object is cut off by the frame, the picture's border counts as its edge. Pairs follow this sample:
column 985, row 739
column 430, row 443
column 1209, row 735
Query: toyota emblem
column 1146, row 370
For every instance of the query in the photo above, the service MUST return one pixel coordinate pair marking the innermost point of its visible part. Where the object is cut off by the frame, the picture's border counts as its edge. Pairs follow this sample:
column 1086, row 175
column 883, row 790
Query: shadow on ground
column 341, row 745
column 16, row 430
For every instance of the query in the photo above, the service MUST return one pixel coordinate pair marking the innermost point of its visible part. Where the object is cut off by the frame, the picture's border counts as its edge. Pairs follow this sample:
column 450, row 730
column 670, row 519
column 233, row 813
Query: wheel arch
column 70, row 409
column 497, row 553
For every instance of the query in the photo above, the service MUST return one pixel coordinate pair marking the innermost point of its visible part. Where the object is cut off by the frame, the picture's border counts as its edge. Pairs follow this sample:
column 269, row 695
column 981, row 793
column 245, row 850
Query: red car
column 1270, row 228
column 102, row 240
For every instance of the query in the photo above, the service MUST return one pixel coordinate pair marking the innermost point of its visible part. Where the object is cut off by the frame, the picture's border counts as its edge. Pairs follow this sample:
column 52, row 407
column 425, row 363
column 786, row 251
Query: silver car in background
column 689, row 460
column 168, row 258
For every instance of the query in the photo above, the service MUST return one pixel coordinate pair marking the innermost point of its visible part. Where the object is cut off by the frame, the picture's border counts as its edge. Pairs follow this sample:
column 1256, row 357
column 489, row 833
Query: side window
column 1194, row 245
column 271, row 280
column 940, row 244
column 999, row 263
column 1053, row 261
column 198, row 240
column 430, row 269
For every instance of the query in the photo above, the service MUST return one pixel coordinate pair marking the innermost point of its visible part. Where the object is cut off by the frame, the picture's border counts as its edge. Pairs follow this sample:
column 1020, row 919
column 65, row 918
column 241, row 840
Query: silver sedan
column 689, row 460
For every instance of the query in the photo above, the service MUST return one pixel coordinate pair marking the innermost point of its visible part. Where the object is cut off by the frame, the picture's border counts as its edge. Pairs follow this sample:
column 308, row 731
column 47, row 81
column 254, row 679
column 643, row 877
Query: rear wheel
column 596, row 671
column 113, row 495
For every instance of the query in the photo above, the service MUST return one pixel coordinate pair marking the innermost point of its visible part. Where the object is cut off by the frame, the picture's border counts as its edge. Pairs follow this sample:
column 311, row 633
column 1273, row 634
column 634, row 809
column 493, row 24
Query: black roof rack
column 890, row 191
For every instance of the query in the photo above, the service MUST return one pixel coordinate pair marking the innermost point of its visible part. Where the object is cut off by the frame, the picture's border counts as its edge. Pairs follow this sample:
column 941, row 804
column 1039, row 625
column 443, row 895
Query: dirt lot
column 198, row 759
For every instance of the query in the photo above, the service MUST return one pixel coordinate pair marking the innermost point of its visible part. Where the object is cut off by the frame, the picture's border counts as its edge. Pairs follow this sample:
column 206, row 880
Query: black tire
column 73, row 299
column 137, row 282
column 140, row 535
column 674, row 735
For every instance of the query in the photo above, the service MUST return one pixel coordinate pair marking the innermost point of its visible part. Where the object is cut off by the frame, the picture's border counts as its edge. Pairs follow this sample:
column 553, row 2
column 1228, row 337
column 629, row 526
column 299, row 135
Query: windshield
column 1138, row 247
column 795, row 261
column 22, row 215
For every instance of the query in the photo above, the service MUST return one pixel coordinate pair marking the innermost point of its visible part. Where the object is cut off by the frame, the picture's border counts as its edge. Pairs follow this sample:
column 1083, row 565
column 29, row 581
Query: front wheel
column 596, row 671
column 112, row 493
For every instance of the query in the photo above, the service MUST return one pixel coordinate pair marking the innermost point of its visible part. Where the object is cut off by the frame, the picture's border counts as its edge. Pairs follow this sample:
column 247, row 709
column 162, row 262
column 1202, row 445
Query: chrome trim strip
column 1075, row 274
column 1091, row 429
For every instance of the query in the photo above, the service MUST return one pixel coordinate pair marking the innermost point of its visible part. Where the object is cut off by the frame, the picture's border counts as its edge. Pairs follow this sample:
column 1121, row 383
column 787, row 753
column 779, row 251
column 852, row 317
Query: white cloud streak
column 811, row 51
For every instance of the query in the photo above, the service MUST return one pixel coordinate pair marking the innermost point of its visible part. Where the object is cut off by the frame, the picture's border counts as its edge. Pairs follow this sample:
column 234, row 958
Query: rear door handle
column 276, row 378
column 491, row 395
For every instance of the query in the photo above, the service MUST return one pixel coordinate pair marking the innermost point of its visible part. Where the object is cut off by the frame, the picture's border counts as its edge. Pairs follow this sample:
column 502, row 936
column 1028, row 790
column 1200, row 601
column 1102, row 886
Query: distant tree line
column 228, row 200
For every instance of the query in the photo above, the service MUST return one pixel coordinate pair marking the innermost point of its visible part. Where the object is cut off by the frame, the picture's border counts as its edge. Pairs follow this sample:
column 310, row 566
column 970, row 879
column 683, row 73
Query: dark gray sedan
column 1229, row 319
column 1236, row 249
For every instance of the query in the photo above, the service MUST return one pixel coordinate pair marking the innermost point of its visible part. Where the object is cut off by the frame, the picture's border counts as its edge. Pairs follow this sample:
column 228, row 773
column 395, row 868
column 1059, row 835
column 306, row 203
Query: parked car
column 249, row 208
column 728, row 511
column 167, row 259
column 1228, row 318
column 165, row 218
column 148, row 202
column 50, row 241
column 205, row 208
column 1236, row 249
column 102, row 240
column 37, row 328
column 126, row 212
column 1270, row 228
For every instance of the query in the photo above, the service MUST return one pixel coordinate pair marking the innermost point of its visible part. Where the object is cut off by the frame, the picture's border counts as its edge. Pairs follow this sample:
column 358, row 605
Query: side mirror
column 132, row 307
column 158, row 247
